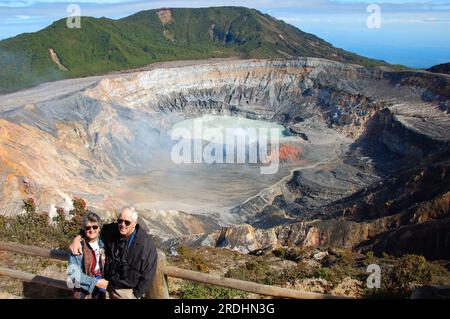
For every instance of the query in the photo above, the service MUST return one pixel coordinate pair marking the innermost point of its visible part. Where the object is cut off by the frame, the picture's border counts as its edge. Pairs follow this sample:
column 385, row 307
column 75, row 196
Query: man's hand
column 75, row 247
column 102, row 283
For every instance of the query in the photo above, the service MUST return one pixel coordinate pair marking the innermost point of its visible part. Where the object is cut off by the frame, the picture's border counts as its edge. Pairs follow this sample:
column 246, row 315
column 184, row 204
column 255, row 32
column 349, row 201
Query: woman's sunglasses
column 95, row 227
column 120, row 221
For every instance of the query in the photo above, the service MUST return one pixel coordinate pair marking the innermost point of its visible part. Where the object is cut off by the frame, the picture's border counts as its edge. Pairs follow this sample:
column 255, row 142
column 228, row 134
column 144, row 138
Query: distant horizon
column 413, row 33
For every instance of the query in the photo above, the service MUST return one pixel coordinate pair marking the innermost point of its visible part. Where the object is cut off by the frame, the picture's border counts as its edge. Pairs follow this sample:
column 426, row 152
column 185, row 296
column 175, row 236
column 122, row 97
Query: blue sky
column 413, row 32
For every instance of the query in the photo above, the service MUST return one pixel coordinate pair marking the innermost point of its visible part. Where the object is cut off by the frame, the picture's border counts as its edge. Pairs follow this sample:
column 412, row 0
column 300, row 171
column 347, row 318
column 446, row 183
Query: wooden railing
column 159, row 287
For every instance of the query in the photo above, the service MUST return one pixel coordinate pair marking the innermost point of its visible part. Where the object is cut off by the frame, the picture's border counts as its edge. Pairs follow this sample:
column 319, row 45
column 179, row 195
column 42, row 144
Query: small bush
column 29, row 205
column 199, row 264
column 410, row 271
column 33, row 228
column 402, row 277
column 254, row 270
column 370, row 258
column 182, row 250
column 292, row 274
column 260, row 271
column 280, row 252
column 191, row 290
column 324, row 273
column 194, row 260
column 294, row 253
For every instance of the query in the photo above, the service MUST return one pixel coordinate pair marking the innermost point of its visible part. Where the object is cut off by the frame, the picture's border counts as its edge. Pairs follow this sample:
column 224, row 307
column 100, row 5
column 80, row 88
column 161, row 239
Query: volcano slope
column 371, row 171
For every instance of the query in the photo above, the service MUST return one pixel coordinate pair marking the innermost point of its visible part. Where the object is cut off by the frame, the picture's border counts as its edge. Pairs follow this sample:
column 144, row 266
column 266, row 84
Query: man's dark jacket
column 140, row 259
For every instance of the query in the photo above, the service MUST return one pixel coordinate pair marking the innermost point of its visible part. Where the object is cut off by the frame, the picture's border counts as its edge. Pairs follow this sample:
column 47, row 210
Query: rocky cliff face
column 421, row 230
column 374, row 146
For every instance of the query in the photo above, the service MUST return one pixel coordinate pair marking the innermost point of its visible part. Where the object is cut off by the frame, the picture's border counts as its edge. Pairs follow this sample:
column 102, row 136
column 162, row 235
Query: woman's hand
column 75, row 247
column 102, row 283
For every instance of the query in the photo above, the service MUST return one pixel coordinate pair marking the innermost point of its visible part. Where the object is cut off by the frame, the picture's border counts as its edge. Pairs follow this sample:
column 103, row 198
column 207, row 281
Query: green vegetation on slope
column 33, row 228
column 340, row 272
column 103, row 45
column 440, row 68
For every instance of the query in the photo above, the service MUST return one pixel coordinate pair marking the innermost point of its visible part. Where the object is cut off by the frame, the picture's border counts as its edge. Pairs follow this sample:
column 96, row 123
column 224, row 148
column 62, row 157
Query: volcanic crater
column 361, row 149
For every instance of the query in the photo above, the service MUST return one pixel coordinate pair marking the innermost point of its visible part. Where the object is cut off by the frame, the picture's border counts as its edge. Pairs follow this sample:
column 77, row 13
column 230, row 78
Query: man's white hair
column 135, row 214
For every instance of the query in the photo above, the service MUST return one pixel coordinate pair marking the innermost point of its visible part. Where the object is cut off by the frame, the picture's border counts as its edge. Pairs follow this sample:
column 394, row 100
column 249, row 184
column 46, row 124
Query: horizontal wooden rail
column 27, row 277
column 34, row 251
column 243, row 285
column 159, row 286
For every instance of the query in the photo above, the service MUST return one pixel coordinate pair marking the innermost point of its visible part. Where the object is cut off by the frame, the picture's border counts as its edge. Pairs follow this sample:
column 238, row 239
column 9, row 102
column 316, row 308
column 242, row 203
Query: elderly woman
column 131, row 256
column 86, row 270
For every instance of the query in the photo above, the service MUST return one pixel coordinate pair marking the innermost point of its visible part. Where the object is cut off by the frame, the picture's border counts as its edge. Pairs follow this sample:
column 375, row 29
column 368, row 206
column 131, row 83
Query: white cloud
column 22, row 17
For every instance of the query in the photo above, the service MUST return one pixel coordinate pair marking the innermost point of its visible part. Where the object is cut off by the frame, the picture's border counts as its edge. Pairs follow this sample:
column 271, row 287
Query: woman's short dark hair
column 93, row 218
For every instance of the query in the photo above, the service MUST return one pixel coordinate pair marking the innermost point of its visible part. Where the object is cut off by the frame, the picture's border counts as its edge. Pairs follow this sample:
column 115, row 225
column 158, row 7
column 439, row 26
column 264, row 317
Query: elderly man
column 130, row 256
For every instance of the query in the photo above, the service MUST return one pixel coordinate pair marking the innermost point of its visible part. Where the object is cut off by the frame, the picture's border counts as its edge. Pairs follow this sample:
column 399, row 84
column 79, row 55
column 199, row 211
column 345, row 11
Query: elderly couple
column 116, row 261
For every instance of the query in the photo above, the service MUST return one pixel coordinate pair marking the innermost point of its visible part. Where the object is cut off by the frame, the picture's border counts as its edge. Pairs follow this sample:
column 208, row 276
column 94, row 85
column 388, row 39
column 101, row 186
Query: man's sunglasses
column 95, row 227
column 127, row 222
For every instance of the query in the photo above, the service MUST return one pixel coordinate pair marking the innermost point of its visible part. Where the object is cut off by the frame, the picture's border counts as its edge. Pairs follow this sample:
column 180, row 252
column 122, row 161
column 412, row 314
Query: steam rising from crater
column 231, row 140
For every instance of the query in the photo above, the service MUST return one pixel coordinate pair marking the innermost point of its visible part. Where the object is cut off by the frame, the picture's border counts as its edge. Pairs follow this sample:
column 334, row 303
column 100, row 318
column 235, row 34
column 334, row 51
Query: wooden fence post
column 158, row 288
